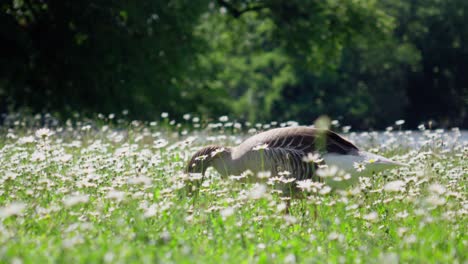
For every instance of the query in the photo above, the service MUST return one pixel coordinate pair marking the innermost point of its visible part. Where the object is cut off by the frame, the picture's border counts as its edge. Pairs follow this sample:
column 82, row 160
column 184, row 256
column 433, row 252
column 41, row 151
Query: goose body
column 287, row 149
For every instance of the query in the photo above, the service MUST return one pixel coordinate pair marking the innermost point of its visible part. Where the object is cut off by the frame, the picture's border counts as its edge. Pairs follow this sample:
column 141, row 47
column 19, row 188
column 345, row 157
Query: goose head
column 205, row 158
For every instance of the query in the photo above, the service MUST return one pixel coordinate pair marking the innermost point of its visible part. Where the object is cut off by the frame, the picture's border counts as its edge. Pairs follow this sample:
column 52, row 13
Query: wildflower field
column 113, row 191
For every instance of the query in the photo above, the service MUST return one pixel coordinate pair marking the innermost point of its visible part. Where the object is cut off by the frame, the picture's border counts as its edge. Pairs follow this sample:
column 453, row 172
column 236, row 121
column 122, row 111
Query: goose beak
column 380, row 160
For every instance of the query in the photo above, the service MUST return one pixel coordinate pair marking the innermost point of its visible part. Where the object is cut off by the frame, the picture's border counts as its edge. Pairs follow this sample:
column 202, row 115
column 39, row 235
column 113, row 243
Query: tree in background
column 365, row 62
column 407, row 62
column 268, row 54
column 438, row 88
column 94, row 55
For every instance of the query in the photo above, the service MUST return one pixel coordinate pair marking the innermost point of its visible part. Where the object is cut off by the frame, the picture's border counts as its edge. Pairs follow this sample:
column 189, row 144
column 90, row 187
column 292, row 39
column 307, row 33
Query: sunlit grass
column 114, row 192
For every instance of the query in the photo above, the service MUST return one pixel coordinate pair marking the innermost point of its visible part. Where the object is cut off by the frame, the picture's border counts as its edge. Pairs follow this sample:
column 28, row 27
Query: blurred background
column 364, row 63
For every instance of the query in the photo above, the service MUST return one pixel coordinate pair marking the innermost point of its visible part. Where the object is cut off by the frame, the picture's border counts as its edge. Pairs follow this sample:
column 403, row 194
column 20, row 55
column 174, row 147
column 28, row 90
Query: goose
column 298, row 150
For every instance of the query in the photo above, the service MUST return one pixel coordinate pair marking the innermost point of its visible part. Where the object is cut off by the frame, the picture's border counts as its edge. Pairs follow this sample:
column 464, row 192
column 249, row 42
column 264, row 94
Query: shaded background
column 366, row 63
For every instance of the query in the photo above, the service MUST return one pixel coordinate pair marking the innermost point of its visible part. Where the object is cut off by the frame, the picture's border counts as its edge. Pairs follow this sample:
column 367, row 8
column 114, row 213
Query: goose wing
column 285, row 149
column 301, row 140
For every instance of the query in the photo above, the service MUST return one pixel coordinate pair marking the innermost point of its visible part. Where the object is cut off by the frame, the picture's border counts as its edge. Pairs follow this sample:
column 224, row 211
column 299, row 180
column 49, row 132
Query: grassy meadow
column 111, row 191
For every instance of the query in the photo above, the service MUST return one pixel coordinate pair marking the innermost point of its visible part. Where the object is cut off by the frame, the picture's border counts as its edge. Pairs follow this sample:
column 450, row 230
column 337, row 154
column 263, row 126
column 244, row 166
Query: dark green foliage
column 98, row 55
column 439, row 31
column 366, row 62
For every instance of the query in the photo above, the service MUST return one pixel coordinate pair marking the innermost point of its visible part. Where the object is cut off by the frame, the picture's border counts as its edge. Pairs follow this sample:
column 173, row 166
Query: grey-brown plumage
column 276, row 150
column 284, row 149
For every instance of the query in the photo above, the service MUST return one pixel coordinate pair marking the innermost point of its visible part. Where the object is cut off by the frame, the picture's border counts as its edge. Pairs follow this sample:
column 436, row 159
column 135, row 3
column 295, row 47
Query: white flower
column 435, row 200
column 309, row 185
column 401, row 231
column 115, row 195
column 14, row 208
column 258, row 191
column 226, row 212
column 403, row 214
column 260, row 146
column 389, row 258
column 109, row 257
column 195, row 176
column 201, row 157
column 284, row 173
column 287, row 180
column 305, row 185
column 263, row 174
column 312, row 157
column 371, row 217
column 44, row 133
column 346, row 129
column 164, row 115
column 394, row 186
column 290, row 259
column 16, row 260
column 71, row 242
column 72, row 200
column 26, row 140
column 359, row 166
column 328, row 171
column 65, row 158
column 140, row 180
column 160, row 143
column 217, row 151
column 410, row 239
column 38, row 156
column 150, row 211
column 437, row 188
column 335, row 236
column 9, row 175
column 289, row 219
column 223, row 118
column 325, row 190
column 237, row 177
column 281, row 207
column 399, row 122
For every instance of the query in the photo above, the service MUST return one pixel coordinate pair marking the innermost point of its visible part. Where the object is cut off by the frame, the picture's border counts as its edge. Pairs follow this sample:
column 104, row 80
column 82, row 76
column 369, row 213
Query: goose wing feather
column 297, row 139
column 286, row 148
